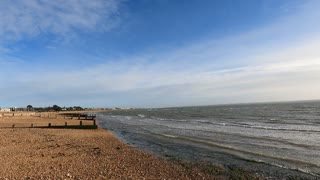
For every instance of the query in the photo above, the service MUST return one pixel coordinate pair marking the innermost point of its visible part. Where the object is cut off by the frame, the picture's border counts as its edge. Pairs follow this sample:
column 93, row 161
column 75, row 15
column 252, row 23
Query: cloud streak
column 164, row 83
column 26, row 19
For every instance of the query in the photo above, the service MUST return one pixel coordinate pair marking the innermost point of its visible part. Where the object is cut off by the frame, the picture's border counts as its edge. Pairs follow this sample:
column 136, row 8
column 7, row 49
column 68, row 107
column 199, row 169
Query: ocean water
column 279, row 135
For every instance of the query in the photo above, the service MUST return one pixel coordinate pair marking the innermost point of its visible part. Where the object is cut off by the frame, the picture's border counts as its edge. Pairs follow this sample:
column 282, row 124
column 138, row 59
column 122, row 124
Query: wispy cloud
column 27, row 19
column 135, row 81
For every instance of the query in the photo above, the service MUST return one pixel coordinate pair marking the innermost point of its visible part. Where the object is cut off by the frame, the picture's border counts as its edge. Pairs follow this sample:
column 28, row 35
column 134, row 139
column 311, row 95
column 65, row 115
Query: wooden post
column 79, row 116
column 80, row 123
column 13, row 126
column 31, row 125
column 49, row 125
column 65, row 124
column 94, row 122
column 64, row 116
column 12, row 114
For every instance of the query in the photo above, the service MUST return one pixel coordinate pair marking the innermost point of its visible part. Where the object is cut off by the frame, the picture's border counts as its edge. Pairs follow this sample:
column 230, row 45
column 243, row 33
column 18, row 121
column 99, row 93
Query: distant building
column 5, row 109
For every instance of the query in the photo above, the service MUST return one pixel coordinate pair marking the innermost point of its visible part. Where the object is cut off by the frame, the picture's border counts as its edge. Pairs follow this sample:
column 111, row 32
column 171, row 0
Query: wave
column 170, row 120
column 210, row 143
column 257, row 126
column 268, row 139
column 242, row 125
column 192, row 130
column 168, row 135
column 241, row 153
column 256, row 154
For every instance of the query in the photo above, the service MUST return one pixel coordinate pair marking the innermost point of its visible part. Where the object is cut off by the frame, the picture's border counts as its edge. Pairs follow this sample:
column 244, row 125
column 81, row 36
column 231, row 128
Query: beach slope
column 35, row 153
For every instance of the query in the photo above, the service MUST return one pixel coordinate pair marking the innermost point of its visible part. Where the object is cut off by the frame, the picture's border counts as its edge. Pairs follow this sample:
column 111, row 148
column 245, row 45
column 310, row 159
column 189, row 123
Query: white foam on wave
column 168, row 135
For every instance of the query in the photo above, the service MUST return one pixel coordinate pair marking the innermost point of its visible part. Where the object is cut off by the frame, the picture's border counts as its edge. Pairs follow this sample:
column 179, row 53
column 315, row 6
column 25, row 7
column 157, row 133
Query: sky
column 158, row 53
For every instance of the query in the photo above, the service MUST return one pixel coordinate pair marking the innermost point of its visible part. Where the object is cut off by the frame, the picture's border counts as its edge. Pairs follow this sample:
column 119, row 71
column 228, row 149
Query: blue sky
column 158, row 53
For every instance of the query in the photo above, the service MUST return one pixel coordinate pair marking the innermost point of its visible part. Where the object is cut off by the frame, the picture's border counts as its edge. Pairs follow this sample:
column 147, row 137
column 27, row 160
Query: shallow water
column 285, row 135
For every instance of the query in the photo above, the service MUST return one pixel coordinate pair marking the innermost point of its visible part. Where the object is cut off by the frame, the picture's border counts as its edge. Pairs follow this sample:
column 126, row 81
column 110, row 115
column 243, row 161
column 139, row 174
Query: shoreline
column 35, row 153
column 230, row 163
column 228, row 168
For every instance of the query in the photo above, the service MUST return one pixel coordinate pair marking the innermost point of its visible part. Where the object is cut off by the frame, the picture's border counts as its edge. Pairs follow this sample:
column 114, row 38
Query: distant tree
column 78, row 108
column 29, row 108
column 70, row 109
column 56, row 108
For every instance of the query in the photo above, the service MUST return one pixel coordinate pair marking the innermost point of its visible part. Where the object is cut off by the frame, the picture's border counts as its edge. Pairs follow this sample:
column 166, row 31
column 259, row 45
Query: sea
column 268, row 137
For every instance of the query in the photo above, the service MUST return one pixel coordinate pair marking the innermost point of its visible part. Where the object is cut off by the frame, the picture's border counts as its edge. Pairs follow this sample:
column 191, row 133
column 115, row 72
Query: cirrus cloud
column 24, row 19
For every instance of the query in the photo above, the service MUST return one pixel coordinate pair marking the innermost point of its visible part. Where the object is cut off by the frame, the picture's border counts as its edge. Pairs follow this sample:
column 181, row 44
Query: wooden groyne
column 65, row 126
column 78, row 116
column 72, row 120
